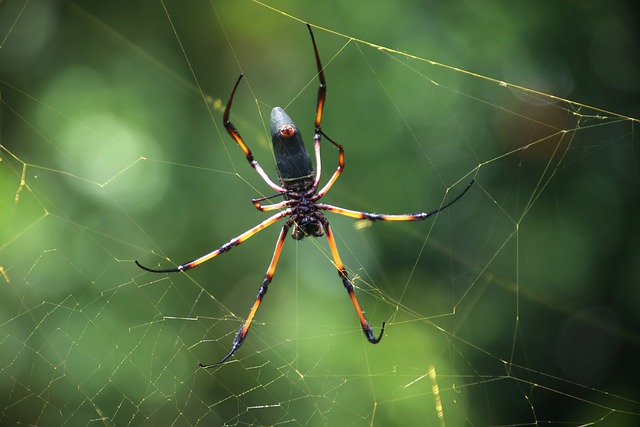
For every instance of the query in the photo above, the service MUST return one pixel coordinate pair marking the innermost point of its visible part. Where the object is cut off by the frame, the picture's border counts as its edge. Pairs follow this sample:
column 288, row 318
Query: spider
column 298, row 184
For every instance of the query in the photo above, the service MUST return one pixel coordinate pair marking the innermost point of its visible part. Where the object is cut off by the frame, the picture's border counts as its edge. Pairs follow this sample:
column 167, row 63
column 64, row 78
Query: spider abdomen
column 293, row 162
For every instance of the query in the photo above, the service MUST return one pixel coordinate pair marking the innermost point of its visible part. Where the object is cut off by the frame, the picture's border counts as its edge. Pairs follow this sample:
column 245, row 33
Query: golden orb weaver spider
column 298, row 185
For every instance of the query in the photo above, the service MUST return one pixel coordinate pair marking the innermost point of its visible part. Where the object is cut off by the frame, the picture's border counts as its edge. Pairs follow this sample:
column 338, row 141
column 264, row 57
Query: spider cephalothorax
column 306, row 219
column 298, row 186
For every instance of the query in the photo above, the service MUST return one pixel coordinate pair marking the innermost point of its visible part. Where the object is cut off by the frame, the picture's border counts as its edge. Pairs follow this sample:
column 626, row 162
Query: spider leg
column 322, row 94
column 236, row 136
column 342, row 272
column 338, row 171
column 419, row 216
column 222, row 249
column 242, row 332
column 322, row 90
column 273, row 207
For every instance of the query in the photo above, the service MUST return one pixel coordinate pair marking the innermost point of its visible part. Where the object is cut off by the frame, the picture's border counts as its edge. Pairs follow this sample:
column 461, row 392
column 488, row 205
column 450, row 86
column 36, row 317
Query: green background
column 519, row 302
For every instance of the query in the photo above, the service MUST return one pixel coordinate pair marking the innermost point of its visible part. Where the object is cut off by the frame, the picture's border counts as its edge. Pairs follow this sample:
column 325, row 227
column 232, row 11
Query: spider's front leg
column 242, row 332
column 342, row 272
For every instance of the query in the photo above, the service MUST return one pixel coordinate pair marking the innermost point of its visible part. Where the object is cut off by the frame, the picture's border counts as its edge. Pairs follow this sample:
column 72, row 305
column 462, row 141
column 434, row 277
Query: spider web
column 516, row 306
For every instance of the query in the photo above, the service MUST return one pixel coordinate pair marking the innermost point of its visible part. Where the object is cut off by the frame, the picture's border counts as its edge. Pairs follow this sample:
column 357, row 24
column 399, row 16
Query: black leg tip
column 372, row 338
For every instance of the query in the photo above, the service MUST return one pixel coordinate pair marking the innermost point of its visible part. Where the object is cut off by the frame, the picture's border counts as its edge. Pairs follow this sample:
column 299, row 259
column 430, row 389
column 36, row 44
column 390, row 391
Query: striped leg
column 342, row 272
column 339, row 169
column 236, row 136
column 222, row 249
column 322, row 94
column 242, row 333
column 419, row 216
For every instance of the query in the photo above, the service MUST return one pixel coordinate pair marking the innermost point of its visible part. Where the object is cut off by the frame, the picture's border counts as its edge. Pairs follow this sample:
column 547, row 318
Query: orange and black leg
column 242, row 332
column 419, row 216
column 342, row 272
column 222, row 249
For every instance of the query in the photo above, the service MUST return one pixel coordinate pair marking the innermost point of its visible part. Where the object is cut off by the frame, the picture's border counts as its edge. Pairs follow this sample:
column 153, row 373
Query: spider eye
column 287, row 131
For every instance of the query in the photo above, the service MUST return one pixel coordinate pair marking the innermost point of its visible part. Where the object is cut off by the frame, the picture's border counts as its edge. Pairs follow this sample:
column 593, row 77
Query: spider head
column 292, row 158
column 307, row 227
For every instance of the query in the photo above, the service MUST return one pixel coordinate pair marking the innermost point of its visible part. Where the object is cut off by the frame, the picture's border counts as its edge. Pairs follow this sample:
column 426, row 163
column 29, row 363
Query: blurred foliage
column 519, row 302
